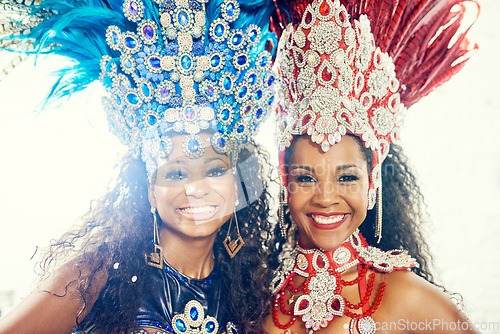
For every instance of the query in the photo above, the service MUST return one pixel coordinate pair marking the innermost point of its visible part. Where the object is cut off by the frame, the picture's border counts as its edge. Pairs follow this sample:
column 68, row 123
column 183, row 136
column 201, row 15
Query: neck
column 191, row 256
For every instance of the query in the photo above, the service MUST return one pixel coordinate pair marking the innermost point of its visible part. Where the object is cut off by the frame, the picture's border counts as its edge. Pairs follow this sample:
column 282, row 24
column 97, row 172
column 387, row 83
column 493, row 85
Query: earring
column 281, row 210
column 233, row 246
column 378, row 219
column 155, row 259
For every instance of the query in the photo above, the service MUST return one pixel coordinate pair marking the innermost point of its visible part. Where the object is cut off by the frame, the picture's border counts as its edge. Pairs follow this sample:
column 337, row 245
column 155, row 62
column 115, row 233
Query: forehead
column 347, row 151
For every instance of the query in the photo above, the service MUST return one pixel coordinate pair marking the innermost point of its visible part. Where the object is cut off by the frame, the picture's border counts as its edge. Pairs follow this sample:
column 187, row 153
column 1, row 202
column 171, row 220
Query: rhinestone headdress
column 170, row 67
column 338, row 77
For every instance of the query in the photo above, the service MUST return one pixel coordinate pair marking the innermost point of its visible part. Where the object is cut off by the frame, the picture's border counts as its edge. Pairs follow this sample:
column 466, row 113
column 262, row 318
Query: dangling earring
column 155, row 259
column 282, row 209
column 233, row 246
column 378, row 219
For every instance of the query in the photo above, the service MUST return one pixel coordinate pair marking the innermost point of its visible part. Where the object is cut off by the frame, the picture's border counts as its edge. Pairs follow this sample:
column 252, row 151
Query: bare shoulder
column 412, row 300
column 54, row 305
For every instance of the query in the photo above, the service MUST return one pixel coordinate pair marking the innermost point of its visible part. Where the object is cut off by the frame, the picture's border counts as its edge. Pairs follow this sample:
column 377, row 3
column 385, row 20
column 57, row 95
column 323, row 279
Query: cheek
column 225, row 187
column 297, row 198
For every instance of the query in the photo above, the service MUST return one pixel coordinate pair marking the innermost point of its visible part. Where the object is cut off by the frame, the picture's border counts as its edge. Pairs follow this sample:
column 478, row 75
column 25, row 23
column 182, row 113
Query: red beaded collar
column 321, row 300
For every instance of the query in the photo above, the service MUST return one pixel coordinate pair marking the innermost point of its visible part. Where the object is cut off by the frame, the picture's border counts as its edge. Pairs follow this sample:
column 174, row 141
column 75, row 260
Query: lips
column 327, row 221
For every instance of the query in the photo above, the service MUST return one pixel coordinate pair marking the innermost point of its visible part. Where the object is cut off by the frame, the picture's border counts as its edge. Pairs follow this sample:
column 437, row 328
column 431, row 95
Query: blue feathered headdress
column 169, row 66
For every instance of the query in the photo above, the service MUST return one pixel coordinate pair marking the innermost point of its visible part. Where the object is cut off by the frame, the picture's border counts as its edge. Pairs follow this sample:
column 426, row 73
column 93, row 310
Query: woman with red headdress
column 349, row 70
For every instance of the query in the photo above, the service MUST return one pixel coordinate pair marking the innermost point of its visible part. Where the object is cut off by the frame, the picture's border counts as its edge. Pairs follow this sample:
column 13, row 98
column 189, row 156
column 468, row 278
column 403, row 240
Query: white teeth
column 327, row 220
column 197, row 210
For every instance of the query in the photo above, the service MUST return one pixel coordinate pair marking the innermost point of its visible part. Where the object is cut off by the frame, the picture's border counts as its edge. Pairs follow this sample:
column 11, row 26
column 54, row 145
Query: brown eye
column 175, row 175
column 305, row 179
column 217, row 172
column 348, row 178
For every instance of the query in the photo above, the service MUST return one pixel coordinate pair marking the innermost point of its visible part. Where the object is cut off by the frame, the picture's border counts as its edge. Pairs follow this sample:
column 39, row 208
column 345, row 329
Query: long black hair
column 119, row 227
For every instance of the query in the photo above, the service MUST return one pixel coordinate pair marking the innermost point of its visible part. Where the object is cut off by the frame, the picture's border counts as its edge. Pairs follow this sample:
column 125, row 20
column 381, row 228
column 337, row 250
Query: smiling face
column 194, row 197
column 328, row 191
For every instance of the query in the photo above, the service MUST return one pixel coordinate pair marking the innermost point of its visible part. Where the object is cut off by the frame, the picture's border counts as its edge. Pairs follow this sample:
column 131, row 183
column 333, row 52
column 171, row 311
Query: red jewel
column 306, row 119
column 326, row 74
column 324, row 9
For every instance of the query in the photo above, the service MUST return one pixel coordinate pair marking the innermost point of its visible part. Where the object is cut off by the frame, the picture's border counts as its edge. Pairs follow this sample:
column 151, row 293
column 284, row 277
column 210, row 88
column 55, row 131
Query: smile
column 198, row 210
column 322, row 220
column 327, row 222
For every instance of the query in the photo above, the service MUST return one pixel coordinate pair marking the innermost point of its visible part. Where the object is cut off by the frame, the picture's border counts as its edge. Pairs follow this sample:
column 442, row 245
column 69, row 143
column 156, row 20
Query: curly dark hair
column 119, row 228
column 403, row 210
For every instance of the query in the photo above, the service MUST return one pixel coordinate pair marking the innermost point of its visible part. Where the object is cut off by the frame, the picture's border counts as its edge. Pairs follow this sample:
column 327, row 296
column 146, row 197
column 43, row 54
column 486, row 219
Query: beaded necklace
column 321, row 300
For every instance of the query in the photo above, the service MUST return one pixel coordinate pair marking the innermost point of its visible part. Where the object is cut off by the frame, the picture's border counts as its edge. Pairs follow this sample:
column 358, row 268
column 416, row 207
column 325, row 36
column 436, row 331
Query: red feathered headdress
column 356, row 66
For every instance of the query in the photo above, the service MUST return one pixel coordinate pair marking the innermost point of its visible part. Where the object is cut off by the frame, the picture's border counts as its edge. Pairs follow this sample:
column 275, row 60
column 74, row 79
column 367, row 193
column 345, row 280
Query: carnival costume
column 169, row 67
column 354, row 67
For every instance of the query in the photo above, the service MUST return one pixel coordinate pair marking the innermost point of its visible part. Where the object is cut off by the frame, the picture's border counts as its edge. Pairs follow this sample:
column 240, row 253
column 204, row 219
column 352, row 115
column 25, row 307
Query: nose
column 197, row 189
column 325, row 194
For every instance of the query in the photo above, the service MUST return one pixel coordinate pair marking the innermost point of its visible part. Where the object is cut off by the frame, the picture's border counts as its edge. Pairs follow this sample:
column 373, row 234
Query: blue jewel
column 240, row 128
column 252, row 78
column 132, row 98
column 210, row 92
column 155, row 62
column 230, row 9
column 237, row 39
column 145, row 90
column 219, row 30
column 148, row 31
column 193, row 145
column 210, row 327
column 243, row 92
column 164, row 92
column 258, row 113
column 193, row 313
column 215, row 61
column 225, row 114
column 183, row 18
column 186, row 62
column 258, row 94
column 263, row 61
column 227, row 83
column 114, row 38
column 152, row 120
column 242, row 60
column 270, row 81
column 221, row 142
column 270, row 101
column 189, row 113
column 131, row 118
column 181, row 326
column 253, row 35
column 118, row 99
column 133, row 8
column 130, row 42
column 247, row 110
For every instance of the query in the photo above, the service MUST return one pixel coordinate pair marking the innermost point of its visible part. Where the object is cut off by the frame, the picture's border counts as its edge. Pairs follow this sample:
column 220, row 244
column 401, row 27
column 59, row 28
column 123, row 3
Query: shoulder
column 410, row 299
column 57, row 302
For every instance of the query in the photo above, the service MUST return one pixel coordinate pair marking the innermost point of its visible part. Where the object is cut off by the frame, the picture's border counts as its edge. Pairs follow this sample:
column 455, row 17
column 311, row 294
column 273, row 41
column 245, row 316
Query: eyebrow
column 206, row 161
column 312, row 170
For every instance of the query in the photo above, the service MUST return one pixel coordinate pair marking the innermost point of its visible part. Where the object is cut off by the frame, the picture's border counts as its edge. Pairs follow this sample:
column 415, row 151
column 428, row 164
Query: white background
column 55, row 161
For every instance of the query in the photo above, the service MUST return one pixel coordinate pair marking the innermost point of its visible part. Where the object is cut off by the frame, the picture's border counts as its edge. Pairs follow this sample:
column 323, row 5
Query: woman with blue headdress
column 176, row 246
